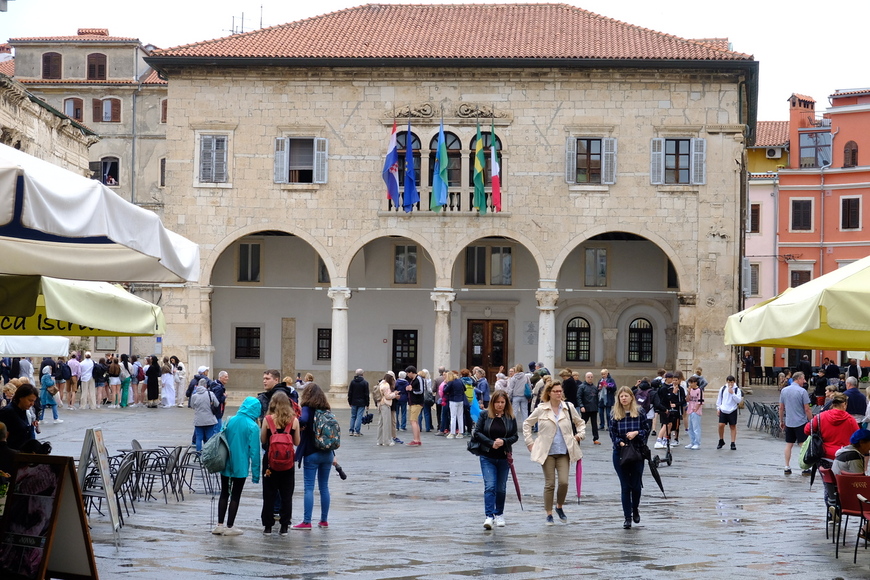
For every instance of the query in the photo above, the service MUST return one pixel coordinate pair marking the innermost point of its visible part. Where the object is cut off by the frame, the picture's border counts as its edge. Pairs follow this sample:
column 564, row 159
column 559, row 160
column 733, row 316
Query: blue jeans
column 630, row 480
column 427, row 416
column 217, row 426
column 694, row 429
column 356, row 417
column 401, row 410
column 604, row 416
column 201, row 434
column 495, row 473
column 317, row 465
column 53, row 410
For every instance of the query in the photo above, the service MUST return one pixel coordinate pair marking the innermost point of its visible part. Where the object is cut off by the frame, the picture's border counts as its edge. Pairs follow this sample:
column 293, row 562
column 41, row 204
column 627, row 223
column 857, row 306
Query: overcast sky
column 800, row 48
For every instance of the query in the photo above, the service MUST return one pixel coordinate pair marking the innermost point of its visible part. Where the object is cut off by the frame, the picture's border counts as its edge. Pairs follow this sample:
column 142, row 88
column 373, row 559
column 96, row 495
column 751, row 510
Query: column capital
column 547, row 298
column 205, row 292
column 443, row 299
column 339, row 297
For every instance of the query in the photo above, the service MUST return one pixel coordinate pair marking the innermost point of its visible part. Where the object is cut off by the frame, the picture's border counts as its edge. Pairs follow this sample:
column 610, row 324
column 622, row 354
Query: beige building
column 103, row 82
column 622, row 173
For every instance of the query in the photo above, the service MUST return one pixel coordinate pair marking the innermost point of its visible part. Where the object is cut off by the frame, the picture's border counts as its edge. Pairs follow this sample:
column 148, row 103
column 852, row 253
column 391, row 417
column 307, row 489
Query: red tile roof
column 850, row 93
column 153, row 79
column 74, row 82
column 84, row 35
column 771, row 133
column 463, row 31
column 802, row 97
column 7, row 67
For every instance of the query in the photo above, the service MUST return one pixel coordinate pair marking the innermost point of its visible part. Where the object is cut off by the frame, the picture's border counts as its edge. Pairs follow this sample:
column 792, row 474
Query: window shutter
column 657, row 161
column 78, row 108
column 281, row 160
column 699, row 161
column 206, row 158
column 571, row 160
column 608, row 161
column 163, row 109
column 321, row 153
column 220, row 159
column 116, row 110
column 97, row 105
column 96, row 169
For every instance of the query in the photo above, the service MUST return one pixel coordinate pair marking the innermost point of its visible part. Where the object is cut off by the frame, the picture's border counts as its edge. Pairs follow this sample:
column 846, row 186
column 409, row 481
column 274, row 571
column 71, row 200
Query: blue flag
column 439, row 175
column 411, row 195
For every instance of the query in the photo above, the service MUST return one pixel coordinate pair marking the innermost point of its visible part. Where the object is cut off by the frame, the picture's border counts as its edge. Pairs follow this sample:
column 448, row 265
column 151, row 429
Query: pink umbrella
column 578, row 478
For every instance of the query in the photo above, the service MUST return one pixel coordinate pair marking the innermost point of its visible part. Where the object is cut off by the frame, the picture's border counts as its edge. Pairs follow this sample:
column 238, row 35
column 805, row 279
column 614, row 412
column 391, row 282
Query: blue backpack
column 327, row 432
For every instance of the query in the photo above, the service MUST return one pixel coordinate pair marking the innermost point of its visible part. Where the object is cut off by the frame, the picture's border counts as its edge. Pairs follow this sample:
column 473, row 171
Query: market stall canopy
column 34, row 346
column 39, row 305
column 831, row 312
column 53, row 221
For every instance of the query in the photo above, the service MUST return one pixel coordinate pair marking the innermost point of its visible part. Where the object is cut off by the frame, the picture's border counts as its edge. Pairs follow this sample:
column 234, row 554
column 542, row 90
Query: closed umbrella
column 510, row 460
column 831, row 312
column 578, row 478
column 653, row 468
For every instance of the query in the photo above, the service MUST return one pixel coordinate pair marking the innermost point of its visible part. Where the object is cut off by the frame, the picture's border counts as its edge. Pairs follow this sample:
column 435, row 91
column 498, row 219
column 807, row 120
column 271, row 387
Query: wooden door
column 487, row 346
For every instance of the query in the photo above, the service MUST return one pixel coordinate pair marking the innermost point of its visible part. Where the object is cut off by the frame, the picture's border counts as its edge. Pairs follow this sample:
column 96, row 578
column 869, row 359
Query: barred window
column 578, row 340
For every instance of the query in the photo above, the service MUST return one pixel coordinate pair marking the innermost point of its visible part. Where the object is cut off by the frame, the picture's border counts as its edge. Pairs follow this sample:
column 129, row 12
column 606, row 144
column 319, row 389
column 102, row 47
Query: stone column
column 443, row 299
column 338, row 367
column 547, row 299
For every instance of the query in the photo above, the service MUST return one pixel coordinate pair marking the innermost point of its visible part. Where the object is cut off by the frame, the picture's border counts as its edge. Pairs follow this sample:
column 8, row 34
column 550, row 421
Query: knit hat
column 859, row 436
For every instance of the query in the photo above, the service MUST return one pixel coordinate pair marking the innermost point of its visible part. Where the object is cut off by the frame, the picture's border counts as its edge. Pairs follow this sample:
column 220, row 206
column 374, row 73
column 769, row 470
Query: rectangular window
column 106, row 110
column 162, row 180
column 799, row 277
column 802, row 214
column 322, row 272
column 590, row 161
column 500, row 266
column 249, row 263
column 324, row 343
column 213, row 158
column 475, row 265
column 851, row 210
column 815, row 149
column 247, row 342
column 405, row 265
column 596, row 267
column 73, row 108
column 754, row 225
column 678, row 161
column 499, row 260
column 753, row 279
column 301, row 160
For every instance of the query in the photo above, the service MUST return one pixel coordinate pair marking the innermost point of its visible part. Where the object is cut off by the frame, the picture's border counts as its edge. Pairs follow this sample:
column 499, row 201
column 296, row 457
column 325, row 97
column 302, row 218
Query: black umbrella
column 653, row 467
column 510, row 460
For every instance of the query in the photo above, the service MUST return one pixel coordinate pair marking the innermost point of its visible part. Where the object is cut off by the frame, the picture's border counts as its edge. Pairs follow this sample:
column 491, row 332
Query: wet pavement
column 408, row 512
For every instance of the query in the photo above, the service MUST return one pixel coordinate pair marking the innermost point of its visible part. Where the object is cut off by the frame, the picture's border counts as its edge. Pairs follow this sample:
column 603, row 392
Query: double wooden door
column 487, row 346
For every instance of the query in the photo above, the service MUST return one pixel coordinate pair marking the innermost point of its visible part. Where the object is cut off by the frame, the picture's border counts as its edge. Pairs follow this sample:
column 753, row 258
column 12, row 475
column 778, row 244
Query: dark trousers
column 231, row 493
column 466, row 413
column 630, row 481
column 444, row 415
column 278, row 483
column 593, row 417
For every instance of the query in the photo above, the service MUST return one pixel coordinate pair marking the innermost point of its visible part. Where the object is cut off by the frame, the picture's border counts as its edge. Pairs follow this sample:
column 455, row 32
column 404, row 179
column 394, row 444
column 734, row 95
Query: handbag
column 813, row 449
column 629, row 454
column 52, row 390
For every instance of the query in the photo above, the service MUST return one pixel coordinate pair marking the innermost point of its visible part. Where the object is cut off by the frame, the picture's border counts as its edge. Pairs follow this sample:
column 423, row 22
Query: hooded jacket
column 203, row 403
column 836, row 427
column 243, row 438
column 358, row 392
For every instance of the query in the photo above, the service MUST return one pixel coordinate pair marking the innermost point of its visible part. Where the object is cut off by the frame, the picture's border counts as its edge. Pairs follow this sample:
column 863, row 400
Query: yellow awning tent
column 831, row 312
column 43, row 306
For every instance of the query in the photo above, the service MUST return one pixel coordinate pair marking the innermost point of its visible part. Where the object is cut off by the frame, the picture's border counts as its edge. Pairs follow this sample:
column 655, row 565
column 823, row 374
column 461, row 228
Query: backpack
column 327, row 433
column 377, row 395
column 64, row 372
column 281, row 452
column 140, row 374
column 215, row 453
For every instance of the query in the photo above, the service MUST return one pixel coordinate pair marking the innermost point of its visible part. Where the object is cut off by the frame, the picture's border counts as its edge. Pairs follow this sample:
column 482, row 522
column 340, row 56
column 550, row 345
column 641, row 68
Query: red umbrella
column 578, row 478
column 510, row 460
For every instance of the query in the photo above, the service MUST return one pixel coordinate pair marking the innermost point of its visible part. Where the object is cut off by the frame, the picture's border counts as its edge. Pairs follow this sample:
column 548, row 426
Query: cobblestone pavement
column 409, row 512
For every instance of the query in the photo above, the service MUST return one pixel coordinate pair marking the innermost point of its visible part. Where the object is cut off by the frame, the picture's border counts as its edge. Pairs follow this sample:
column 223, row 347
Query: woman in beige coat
column 557, row 445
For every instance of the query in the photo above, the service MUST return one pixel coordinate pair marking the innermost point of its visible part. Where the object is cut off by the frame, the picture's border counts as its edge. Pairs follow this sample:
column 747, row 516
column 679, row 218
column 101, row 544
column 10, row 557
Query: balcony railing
column 457, row 201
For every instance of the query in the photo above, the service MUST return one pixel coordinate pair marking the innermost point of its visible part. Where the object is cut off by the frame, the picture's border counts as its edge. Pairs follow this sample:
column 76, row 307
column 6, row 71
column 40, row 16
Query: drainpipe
column 822, row 205
column 134, row 122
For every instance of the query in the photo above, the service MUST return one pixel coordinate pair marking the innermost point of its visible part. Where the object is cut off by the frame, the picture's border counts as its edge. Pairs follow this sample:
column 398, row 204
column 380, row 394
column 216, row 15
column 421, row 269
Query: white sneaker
column 689, row 446
column 460, row 436
column 58, row 420
column 499, row 521
column 391, row 443
column 659, row 445
column 451, row 436
column 696, row 446
column 233, row 532
column 487, row 523
column 219, row 530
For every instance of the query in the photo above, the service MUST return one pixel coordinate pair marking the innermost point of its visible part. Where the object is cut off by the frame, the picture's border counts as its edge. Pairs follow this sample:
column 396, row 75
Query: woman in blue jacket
column 243, row 438
column 316, row 463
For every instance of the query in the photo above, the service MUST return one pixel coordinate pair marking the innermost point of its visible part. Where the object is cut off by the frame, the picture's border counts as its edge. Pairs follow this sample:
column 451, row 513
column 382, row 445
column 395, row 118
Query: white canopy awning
column 34, row 346
column 55, row 222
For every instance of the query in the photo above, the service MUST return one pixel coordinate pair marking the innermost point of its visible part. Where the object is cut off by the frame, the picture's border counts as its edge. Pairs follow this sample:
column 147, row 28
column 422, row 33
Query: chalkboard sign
column 45, row 502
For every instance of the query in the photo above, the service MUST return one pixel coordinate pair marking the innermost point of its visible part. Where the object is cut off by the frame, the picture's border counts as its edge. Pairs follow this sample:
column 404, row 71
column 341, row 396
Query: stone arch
column 217, row 251
column 460, row 244
column 414, row 235
column 598, row 319
column 682, row 274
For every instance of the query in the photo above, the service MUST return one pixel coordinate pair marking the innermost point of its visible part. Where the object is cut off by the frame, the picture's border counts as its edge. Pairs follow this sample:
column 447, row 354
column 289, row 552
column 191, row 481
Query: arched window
column 109, row 173
column 578, row 340
column 454, row 158
column 640, row 341
column 487, row 170
column 51, row 65
column 850, row 154
column 96, row 67
column 72, row 108
column 401, row 140
column 107, row 110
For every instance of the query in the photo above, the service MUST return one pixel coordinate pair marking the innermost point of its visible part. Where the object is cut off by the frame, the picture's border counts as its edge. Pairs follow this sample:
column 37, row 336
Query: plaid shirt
column 619, row 428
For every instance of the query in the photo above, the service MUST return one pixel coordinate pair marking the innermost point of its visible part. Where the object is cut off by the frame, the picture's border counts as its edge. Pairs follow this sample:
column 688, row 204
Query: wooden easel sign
column 44, row 502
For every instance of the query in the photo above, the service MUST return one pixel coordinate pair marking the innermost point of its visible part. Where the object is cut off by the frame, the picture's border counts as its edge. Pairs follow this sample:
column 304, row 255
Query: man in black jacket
column 358, row 399
column 587, row 399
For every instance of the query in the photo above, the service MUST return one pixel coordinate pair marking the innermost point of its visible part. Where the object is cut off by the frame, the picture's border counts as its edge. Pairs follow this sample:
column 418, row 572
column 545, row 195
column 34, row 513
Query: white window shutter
column 220, row 159
column 321, row 153
column 206, row 158
column 571, row 160
column 608, row 161
column 657, row 161
column 281, row 160
column 699, row 161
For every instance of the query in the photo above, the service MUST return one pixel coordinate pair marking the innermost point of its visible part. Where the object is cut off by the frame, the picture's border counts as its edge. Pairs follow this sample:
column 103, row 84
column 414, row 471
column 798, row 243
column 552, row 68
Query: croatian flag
column 391, row 169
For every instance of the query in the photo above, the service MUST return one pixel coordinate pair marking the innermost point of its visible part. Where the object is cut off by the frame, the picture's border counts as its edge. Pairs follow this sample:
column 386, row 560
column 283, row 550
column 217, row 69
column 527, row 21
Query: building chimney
column 801, row 115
